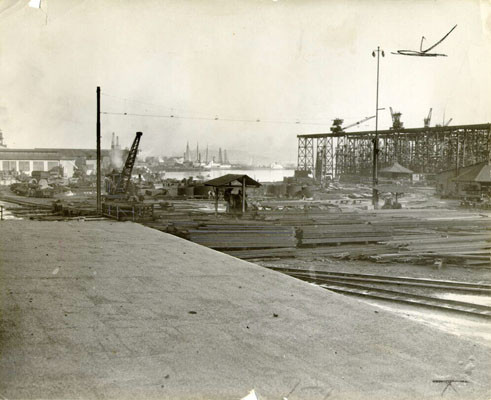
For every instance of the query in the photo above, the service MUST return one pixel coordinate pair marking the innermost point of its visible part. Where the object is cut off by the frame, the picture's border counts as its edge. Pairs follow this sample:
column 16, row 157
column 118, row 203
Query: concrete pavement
column 114, row 310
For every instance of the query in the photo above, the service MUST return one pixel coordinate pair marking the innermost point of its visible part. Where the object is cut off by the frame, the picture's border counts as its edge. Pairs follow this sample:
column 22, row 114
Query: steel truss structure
column 423, row 150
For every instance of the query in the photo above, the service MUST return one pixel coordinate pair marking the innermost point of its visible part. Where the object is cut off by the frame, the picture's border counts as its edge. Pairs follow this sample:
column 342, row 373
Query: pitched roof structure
column 232, row 180
column 480, row 172
column 396, row 168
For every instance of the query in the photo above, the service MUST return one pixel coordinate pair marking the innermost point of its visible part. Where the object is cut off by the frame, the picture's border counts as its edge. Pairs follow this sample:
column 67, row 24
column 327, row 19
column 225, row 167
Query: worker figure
column 227, row 196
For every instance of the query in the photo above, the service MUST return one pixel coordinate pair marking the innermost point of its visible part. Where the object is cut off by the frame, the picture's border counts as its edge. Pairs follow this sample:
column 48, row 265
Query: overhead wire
column 174, row 115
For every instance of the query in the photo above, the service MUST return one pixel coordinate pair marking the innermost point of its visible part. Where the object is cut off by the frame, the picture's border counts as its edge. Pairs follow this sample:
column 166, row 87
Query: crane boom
column 118, row 184
column 122, row 185
column 359, row 122
column 427, row 120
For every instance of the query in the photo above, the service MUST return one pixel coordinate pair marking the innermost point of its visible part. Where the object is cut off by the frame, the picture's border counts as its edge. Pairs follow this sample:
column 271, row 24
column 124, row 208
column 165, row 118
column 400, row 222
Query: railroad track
column 358, row 285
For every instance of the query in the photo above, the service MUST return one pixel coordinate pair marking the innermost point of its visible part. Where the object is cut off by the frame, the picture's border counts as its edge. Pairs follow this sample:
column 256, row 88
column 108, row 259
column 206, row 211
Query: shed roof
column 480, row 172
column 229, row 179
column 396, row 168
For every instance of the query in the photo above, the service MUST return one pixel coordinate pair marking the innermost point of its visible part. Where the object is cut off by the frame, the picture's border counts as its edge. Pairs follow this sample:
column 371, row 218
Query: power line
column 217, row 118
column 172, row 115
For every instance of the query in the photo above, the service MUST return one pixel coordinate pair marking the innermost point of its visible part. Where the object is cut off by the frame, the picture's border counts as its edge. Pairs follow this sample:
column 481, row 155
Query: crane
column 444, row 123
column 396, row 119
column 337, row 128
column 427, row 120
column 118, row 184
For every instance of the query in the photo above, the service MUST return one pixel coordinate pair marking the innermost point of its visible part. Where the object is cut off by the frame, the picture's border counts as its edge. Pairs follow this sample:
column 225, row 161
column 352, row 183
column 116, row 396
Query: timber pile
column 456, row 249
column 424, row 236
column 417, row 236
column 243, row 236
column 75, row 209
column 342, row 233
column 250, row 254
column 234, row 235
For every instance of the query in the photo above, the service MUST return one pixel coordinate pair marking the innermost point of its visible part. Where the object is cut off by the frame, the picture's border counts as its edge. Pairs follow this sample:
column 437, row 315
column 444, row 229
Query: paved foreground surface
column 116, row 310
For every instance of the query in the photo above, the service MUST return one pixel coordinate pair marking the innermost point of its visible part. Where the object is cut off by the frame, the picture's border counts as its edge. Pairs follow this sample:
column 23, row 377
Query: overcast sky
column 286, row 60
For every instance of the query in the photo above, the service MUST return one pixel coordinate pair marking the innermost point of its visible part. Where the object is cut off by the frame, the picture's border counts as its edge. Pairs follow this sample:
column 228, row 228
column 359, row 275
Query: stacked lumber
column 471, row 249
column 342, row 233
column 232, row 234
column 243, row 236
column 250, row 254
column 418, row 236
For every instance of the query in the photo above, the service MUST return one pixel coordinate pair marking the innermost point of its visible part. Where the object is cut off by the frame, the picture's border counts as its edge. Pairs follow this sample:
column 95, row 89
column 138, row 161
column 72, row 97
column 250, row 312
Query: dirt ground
column 107, row 310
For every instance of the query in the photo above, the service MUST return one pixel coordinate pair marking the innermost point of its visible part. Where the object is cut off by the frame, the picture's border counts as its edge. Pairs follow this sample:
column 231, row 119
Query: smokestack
column 112, row 142
column 117, row 142
column 220, row 159
column 187, row 157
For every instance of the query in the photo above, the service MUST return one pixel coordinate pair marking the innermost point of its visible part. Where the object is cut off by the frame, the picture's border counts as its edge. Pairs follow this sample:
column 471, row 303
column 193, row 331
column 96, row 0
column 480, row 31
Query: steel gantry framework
column 423, row 150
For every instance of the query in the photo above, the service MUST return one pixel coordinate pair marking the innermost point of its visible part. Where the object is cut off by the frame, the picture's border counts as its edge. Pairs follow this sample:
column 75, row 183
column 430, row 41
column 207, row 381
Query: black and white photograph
column 245, row 199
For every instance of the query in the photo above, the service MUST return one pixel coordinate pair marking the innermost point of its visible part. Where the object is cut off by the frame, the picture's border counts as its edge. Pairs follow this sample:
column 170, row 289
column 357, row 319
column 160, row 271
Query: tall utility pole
column 98, row 128
column 376, row 53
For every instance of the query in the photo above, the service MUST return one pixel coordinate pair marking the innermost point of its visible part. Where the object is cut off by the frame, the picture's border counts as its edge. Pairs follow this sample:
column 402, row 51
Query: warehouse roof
column 28, row 155
column 71, row 153
column 233, row 180
column 49, row 154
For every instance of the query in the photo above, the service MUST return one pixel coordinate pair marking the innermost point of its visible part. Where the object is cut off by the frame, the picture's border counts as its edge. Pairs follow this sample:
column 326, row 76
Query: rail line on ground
column 356, row 285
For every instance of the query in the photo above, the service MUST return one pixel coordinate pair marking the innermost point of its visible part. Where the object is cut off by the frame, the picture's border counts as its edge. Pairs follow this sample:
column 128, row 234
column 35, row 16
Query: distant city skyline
column 228, row 155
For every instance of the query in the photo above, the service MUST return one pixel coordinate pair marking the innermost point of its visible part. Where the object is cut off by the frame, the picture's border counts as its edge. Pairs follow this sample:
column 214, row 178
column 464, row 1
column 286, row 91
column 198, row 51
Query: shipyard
column 245, row 200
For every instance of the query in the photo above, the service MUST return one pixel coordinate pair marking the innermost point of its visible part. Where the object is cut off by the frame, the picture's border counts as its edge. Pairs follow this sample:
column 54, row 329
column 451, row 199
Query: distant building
column 471, row 181
column 28, row 160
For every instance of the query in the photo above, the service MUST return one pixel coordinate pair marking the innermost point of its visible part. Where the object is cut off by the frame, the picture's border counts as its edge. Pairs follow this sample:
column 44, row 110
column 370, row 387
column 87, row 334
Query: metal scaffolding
column 423, row 150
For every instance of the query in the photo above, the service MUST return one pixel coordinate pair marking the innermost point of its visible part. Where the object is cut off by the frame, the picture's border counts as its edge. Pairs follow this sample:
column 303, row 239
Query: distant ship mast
column 1, row 140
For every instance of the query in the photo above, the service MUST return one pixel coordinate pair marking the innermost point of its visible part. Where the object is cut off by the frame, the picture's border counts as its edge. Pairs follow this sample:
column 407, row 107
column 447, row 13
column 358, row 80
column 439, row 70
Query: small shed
column 396, row 170
column 472, row 180
column 475, row 179
column 230, row 181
